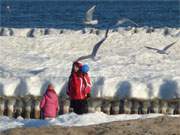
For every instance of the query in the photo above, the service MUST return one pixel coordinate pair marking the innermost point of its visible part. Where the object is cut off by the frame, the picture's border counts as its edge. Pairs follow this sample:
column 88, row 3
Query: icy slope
column 124, row 67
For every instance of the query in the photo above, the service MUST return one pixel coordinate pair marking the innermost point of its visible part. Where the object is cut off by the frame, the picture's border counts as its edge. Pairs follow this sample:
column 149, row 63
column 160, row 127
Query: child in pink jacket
column 49, row 104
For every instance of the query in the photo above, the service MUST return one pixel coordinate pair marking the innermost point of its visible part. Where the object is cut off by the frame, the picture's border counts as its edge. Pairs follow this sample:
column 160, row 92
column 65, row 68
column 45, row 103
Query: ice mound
column 31, row 58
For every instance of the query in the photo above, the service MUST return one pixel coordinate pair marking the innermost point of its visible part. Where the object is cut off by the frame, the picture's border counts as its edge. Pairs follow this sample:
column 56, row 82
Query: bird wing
column 96, row 47
column 123, row 20
column 107, row 31
column 35, row 72
column 132, row 21
column 84, row 57
column 151, row 48
column 177, row 34
column 89, row 13
column 168, row 46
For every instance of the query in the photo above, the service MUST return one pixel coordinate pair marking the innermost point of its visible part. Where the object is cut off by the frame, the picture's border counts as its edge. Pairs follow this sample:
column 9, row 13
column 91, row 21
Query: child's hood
column 51, row 93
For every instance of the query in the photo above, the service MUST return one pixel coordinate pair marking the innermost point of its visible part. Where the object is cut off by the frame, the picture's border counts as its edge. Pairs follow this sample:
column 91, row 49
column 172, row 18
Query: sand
column 155, row 126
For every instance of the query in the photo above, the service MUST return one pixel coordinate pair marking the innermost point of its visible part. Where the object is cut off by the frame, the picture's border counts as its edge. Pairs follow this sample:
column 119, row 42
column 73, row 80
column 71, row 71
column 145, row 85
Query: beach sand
column 155, row 126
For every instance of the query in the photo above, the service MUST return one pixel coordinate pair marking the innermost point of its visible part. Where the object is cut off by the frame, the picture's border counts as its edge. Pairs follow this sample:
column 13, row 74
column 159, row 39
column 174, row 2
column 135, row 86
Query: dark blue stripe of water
column 70, row 14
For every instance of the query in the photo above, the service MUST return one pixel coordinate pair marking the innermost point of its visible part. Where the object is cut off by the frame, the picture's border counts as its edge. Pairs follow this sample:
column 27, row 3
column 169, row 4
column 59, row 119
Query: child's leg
column 75, row 106
column 71, row 109
column 41, row 114
column 81, row 106
column 84, row 106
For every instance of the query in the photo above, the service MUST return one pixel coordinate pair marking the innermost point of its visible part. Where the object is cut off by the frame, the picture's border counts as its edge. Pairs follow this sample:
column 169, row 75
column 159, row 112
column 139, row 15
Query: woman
column 49, row 104
column 79, row 87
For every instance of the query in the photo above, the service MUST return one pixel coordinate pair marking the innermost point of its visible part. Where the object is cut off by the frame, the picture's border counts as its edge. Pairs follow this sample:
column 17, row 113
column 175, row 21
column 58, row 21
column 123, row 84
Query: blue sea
column 70, row 14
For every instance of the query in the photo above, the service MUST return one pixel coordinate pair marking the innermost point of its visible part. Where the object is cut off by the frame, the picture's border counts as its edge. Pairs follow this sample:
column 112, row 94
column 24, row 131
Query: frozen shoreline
column 157, row 125
column 72, row 119
column 125, row 67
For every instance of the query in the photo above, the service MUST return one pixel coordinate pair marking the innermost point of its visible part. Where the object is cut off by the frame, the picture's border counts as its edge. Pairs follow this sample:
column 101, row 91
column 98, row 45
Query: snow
column 72, row 119
column 124, row 66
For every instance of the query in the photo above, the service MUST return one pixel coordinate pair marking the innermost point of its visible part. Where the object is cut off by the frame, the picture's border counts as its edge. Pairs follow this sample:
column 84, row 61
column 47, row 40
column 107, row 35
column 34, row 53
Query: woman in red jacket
column 49, row 104
column 79, row 88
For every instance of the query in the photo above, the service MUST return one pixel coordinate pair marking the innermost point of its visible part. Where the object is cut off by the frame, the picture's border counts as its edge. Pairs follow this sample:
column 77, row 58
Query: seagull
column 8, row 8
column 176, row 35
column 123, row 20
column 89, row 16
column 161, row 51
column 95, row 48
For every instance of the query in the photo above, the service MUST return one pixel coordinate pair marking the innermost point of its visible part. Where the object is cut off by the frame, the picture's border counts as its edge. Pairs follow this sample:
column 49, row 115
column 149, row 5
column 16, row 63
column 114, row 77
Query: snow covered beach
column 30, row 58
column 124, row 68
column 72, row 119
column 95, row 123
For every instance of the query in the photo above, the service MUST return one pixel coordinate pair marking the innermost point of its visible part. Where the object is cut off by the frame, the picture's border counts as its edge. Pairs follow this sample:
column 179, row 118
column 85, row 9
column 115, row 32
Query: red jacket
column 49, row 104
column 79, row 86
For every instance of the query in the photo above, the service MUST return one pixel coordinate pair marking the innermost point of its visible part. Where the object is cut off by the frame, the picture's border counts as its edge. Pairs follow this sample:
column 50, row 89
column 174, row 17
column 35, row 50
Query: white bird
column 161, row 51
column 123, row 20
column 8, row 8
column 89, row 16
column 95, row 48
column 176, row 35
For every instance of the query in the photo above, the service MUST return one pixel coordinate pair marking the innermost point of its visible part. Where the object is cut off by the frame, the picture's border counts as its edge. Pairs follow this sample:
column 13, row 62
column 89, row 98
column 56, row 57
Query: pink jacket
column 49, row 104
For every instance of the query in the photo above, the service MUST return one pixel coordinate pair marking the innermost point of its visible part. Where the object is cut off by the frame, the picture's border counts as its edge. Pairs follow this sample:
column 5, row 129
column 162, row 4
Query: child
column 79, row 88
column 49, row 104
column 86, row 79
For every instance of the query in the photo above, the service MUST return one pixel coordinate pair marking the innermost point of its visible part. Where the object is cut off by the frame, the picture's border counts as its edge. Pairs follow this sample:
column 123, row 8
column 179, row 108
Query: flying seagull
column 95, row 48
column 176, row 35
column 123, row 20
column 8, row 8
column 161, row 51
column 89, row 16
